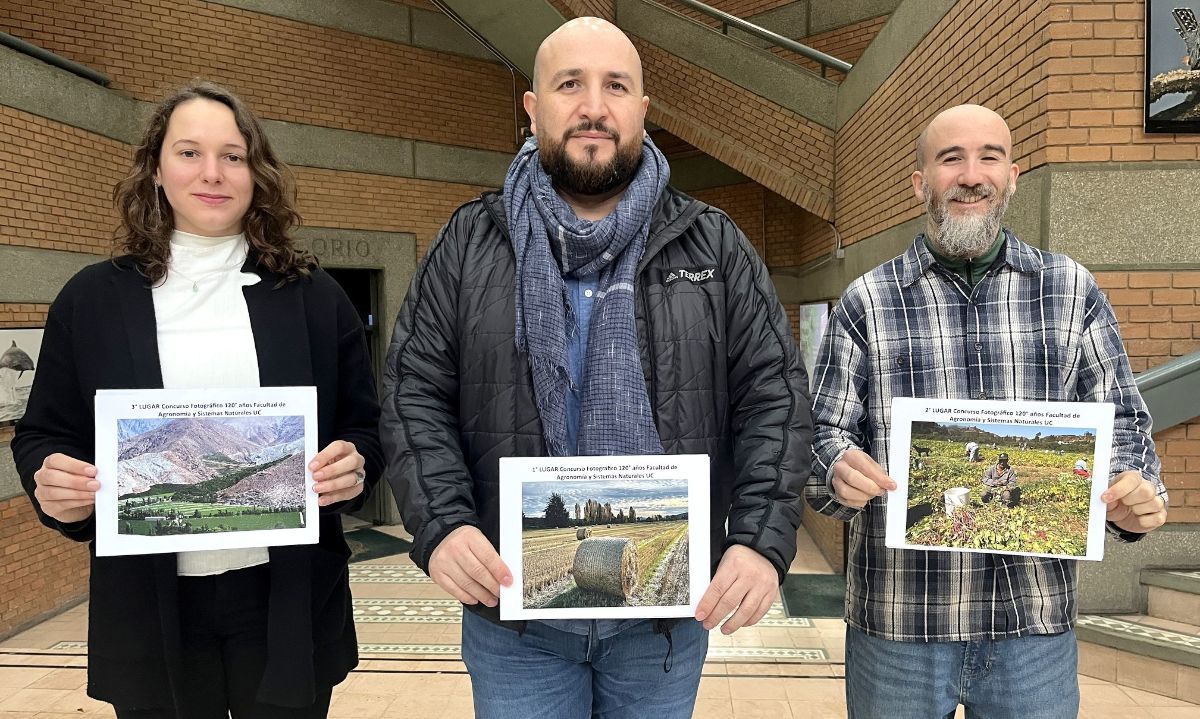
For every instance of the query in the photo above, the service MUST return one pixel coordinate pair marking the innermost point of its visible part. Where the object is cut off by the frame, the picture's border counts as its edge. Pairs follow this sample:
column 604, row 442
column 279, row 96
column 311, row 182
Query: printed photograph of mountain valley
column 202, row 475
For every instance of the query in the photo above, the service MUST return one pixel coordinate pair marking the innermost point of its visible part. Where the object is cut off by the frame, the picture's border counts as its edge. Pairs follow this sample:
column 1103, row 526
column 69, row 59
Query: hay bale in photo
column 607, row 565
column 583, row 533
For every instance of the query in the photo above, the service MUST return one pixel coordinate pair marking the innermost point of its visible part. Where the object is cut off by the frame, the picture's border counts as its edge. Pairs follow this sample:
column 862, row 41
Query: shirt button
column 983, row 395
column 587, row 293
column 978, row 346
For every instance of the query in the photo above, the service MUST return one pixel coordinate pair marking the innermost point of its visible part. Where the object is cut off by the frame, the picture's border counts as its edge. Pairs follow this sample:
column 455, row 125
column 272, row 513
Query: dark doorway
column 364, row 289
column 362, row 286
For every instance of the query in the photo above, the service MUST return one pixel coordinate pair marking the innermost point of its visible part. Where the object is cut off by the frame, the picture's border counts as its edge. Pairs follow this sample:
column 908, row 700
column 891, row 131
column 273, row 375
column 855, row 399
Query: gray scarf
column 615, row 413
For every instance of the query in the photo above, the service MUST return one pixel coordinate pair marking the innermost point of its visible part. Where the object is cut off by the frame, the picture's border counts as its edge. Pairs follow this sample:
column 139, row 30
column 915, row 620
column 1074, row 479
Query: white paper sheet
column 939, row 501
column 667, row 544
column 183, row 470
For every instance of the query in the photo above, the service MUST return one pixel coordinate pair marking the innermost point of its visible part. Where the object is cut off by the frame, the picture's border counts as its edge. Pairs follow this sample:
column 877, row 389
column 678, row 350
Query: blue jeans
column 1031, row 677
column 550, row 673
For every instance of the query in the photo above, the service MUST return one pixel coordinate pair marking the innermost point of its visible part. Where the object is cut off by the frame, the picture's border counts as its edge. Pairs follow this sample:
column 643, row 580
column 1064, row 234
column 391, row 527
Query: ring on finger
column 360, row 476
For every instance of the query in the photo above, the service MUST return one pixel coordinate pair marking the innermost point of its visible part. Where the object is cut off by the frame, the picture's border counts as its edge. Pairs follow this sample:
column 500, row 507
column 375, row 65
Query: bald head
column 586, row 39
column 947, row 127
column 965, row 176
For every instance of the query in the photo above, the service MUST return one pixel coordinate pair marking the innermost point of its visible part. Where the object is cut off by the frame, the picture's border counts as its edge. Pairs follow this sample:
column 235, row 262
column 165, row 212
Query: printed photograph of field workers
column 1014, row 488
column 605, row 544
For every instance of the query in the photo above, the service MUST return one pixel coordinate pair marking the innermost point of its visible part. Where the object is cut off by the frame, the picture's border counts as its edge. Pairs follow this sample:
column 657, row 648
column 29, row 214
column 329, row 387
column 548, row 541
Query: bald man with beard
column 968, row 312
column 591, row 309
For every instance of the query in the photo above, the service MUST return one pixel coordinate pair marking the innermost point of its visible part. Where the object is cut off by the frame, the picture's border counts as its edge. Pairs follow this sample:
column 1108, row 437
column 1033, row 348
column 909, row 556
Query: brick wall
column 780, row 148
column 1003, row 70
column 373, row 202
column 744, row 205
column 845, row 43
column 58, row 184
column 19, row 315
column 1094, row 94
column 59, row 193
column 286, row 70
column 586, row 8
column 1159, row 314
column 40, row 570
column 783, row 234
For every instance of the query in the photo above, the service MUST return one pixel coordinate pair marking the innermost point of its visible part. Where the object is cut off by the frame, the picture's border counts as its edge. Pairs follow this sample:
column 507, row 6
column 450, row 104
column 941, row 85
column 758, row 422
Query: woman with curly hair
column 207, row 289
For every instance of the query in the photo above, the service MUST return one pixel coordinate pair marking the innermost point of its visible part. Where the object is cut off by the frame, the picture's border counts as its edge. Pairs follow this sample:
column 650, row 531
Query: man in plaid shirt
column 971, row 312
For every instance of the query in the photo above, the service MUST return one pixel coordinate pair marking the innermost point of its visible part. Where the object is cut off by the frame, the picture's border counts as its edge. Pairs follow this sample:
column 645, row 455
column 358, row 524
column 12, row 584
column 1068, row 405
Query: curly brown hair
column 146, row 218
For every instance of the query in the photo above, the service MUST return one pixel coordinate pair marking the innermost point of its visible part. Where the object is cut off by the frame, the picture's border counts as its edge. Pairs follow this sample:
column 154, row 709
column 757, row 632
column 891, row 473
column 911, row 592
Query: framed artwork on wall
column 19, row 350
column 1172, row 97
column 812, row 320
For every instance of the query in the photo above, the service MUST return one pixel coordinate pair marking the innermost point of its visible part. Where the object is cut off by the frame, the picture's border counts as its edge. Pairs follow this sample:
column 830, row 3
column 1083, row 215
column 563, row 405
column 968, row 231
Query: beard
column 589, row 177
column 970, row 235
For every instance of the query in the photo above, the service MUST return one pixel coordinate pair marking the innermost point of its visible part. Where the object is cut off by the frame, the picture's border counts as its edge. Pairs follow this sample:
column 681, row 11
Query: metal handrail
column 519, row 129
column 728, row 21
column 46, row 56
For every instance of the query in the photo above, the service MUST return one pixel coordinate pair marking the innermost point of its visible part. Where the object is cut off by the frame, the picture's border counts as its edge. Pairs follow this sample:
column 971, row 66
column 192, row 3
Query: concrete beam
column 700, row 172
column 1124, row 215
column 515, row 27
column 32, row 275
column 759, row 71
column 46, row 91
column 449, row 163
column 374, row 18
column 825, row 15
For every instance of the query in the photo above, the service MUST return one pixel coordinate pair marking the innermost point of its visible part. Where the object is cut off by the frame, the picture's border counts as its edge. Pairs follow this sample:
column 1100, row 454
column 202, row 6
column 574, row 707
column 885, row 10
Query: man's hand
column 467, row 566
column 857, row 479
column 1133, row 503
column 744, row 581
column 66, row 488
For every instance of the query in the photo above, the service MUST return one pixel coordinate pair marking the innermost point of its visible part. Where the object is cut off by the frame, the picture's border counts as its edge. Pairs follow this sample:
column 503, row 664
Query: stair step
column 1173, row 605
column 1179, row 580
column 1141, row 652
column 1139, row 637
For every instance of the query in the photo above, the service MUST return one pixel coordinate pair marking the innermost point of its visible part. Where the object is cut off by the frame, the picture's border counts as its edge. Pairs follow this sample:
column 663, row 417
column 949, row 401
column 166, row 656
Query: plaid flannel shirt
column 1035, row 328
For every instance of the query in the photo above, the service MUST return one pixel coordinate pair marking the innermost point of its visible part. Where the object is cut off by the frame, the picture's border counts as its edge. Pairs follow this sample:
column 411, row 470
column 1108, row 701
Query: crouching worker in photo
column 207, row 290
column 554, row 320
column 1001, row 481
column 952, row 318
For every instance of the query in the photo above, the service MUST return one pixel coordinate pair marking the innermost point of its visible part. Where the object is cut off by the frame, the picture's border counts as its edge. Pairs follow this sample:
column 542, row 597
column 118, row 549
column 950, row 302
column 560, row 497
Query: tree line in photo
column 589, row 513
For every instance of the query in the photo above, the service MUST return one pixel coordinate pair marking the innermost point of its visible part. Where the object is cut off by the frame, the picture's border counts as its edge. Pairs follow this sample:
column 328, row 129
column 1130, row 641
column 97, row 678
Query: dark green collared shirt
column 972, row 270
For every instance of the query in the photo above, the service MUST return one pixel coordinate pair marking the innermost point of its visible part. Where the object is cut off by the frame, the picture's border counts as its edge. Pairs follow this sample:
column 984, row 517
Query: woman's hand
column 338, row 470
column 66, row 488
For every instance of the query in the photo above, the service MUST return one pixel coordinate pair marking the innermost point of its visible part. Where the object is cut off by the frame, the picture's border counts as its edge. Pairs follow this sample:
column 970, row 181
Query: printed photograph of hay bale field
column 1014, row 488
column 620, row 543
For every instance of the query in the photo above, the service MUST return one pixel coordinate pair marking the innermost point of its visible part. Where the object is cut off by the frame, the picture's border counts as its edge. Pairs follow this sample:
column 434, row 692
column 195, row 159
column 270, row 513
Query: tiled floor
column 409, row 632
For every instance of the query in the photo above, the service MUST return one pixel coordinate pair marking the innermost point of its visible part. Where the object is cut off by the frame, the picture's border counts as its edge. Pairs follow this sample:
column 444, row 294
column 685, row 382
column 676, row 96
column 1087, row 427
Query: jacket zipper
column 650, row 351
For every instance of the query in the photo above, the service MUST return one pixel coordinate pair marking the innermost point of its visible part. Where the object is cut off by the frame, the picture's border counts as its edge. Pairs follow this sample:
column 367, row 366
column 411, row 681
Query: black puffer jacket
column 722, row 374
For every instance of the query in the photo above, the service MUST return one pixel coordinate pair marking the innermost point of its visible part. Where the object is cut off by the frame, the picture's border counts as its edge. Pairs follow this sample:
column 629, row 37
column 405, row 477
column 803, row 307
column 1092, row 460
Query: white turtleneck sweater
column 205, row 340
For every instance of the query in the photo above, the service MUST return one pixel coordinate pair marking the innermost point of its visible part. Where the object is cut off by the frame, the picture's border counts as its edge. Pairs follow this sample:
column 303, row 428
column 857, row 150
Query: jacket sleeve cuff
column 1122, row 535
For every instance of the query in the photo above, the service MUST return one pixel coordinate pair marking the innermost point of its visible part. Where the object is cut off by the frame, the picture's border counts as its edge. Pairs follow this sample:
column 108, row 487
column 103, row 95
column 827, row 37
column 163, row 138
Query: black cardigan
column 101, row 334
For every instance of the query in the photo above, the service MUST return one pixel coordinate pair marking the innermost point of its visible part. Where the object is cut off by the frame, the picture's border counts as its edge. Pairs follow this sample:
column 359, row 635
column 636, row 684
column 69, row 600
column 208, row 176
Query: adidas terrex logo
column 699, row 274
